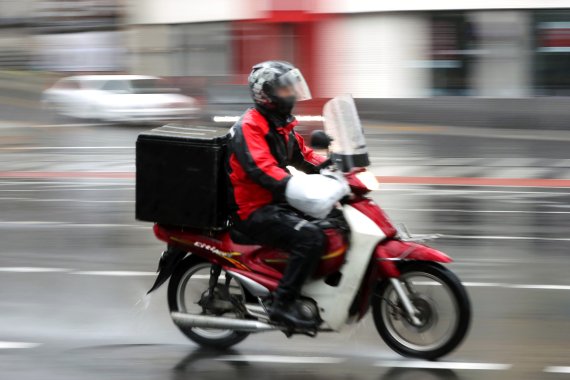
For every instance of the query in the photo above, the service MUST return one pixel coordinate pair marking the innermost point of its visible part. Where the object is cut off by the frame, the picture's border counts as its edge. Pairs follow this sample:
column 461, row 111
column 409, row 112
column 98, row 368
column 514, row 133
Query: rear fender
column 389, row 252
column 168, row 262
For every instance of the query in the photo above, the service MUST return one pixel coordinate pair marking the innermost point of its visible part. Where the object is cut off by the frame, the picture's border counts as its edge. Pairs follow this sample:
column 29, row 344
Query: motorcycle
column 221, row 281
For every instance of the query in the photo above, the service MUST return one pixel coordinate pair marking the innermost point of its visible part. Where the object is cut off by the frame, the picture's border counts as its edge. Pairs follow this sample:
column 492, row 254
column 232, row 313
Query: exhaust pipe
column 210, row 322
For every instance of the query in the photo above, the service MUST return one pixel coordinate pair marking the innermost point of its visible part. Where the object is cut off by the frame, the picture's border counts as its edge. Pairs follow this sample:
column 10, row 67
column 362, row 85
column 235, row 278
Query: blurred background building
column 439, row 59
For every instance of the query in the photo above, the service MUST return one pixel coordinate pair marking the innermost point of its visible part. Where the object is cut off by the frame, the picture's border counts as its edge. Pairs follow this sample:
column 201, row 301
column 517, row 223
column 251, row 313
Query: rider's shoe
column 288, row 313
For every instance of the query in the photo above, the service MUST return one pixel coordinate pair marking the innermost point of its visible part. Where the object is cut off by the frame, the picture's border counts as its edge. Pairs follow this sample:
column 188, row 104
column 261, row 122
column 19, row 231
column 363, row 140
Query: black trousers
column 280, row 226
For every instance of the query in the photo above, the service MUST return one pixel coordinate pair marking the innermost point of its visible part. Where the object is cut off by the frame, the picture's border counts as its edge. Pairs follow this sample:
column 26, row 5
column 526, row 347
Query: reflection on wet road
column 75, row 265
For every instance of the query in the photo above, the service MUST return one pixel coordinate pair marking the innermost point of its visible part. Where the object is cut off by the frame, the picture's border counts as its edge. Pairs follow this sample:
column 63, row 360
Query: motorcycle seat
column 241, row 238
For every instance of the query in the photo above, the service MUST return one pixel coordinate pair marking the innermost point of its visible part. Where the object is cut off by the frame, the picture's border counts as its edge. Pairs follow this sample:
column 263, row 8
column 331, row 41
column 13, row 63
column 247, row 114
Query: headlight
column 369, row 180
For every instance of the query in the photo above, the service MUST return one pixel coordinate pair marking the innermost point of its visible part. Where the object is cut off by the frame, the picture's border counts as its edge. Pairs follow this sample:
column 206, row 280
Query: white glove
column 315, row 194
column 337, row 175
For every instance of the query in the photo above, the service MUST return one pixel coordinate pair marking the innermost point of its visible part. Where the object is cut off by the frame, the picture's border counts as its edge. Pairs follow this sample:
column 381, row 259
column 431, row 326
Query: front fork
column 409, row 308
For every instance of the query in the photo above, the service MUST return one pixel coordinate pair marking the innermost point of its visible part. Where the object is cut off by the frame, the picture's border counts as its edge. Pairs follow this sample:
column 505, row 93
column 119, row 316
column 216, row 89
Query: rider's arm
column 253, row 153
column 305, row 159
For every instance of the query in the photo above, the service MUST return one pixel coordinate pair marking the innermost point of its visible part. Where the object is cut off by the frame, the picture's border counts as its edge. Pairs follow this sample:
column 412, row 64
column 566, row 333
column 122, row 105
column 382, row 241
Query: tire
column 457, row 294
column 187, row 266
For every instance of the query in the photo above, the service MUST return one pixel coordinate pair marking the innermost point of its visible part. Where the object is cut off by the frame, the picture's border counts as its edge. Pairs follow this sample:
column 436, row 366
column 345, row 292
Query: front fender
column 389, row 252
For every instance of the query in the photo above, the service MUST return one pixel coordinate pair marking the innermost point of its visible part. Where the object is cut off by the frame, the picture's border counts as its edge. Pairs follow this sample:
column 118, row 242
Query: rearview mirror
column 320, row 140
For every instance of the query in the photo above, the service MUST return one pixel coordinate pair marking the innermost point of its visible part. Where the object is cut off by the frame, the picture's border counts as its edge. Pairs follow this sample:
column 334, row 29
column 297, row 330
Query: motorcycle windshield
column 341, row 122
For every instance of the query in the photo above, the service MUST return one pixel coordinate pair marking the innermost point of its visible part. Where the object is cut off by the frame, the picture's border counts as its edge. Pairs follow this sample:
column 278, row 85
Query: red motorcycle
column 221, row 281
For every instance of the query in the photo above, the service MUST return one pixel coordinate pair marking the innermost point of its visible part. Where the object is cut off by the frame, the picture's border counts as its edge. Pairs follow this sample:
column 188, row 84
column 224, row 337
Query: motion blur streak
column 465, row 108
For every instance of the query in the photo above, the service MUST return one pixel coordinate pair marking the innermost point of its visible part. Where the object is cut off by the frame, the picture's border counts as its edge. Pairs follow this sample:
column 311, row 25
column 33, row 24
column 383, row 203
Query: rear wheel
column 187, row 290
column 443, row 306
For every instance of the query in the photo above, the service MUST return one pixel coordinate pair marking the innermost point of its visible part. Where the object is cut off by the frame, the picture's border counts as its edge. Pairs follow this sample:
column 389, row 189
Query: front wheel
column 442, row 305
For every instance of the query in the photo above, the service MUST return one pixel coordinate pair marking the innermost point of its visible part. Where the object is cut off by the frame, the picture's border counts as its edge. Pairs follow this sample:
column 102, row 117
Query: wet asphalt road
column 75, row 265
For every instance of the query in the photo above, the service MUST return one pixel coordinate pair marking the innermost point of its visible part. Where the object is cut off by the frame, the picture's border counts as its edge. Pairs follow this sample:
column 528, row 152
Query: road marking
column 516, row 286
column 557, row 369
column 422, row 191
column 69, row 225
column 475, row 211
column 282, row 359
column 477, row 181
column 493, row 237
column 148, row 227
column 444, row 365
column 12, row 345
column 65, row 188
column 501, row 285
column 60, row 200
column 63, row 147
column 32, row 269
column 448, row 181
column 118, row 273
column 80, row 182
column 77, row 125
column 50, row 174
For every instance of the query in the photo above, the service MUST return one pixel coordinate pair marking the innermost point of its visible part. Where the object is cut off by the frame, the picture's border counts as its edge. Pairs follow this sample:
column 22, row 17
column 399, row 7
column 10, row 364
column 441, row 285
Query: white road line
column 148, row 227
column 71, row 225
column 119, row 273
column 444, row 365
column 466, row 191
column 506, row 286
column 12, row 345
column 493, row 237
column 32, row 269
column 69, row 189
column 557, row 369
column 475, row 211
column 70, row 125
column 116, row 273
column 540, row 287
column 79, row 182
column 63, row 147
column 59, row 200
column 282, row 359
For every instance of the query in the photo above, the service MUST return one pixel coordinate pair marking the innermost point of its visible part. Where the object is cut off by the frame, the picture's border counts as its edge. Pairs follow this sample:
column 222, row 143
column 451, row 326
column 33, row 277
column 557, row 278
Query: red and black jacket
column 260, row 149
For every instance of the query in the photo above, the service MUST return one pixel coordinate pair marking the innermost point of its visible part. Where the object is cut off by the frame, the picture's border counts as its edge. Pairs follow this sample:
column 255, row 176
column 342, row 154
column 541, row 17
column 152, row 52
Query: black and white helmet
column 268, row 78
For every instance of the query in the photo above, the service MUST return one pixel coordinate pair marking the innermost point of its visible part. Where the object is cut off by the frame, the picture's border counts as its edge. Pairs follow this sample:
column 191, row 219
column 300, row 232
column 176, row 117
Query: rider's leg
column 281, row 227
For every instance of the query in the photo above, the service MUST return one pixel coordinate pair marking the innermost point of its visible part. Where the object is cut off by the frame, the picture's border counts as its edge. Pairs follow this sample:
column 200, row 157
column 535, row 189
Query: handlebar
column 326, row 163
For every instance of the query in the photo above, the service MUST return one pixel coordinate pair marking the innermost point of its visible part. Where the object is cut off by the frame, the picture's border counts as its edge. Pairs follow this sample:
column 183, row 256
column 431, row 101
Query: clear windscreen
column 342, row 123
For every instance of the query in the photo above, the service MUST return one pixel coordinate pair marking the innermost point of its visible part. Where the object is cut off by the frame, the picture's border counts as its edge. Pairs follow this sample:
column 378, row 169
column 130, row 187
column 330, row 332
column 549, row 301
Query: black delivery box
column 181, row 178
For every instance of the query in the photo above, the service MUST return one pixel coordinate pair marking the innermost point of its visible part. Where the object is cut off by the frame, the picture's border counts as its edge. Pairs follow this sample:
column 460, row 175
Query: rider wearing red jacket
column 262, row 144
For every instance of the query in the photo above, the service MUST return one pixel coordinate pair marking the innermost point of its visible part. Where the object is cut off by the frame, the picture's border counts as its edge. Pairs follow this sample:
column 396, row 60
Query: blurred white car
column 118, row 98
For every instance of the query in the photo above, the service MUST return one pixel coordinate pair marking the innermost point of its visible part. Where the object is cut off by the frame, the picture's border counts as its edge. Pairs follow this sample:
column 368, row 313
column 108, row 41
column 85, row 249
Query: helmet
column 277, row 85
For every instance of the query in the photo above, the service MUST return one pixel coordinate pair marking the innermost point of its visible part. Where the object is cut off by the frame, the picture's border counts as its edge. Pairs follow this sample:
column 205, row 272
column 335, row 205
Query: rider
column 262, row 144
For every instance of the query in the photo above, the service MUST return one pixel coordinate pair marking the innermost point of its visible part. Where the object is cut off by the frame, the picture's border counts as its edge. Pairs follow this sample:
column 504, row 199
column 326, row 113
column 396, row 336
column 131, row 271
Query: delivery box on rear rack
column 180, row 177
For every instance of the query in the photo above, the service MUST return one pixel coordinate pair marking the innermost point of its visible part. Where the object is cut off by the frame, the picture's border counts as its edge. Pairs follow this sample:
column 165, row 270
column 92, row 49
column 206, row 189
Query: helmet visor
column 294, row 84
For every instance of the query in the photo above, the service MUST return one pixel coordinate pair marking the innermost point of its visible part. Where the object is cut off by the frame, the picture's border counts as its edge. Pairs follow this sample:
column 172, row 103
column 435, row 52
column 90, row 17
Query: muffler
column 211, row 322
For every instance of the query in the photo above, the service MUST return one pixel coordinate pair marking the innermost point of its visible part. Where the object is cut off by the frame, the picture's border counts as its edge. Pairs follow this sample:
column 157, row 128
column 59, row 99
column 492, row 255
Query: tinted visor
column 293, row 81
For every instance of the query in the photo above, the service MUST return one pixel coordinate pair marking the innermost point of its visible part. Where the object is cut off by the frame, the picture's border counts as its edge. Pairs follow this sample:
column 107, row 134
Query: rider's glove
column 315, row 194
column 337, row 175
